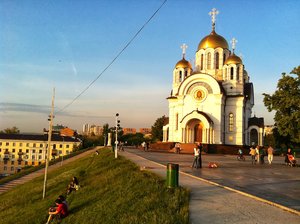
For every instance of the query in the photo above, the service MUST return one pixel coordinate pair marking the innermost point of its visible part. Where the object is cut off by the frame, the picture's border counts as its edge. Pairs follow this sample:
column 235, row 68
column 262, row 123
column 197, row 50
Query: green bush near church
column 112, row 191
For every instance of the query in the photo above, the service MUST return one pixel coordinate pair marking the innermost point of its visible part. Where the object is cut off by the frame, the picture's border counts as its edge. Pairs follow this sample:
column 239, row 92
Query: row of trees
column 13, row 130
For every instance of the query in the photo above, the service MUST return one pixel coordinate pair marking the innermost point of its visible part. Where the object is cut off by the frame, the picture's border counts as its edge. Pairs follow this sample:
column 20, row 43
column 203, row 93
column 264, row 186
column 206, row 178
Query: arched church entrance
column 194, row 131
column 198, row 133
column 253, row 137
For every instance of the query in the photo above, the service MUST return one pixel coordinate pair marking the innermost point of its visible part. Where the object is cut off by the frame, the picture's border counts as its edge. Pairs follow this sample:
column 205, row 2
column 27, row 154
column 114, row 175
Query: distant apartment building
column 85, row 129
column 20, row 150
column 96, row 130
column 129, row 131
column 145, row 131
column 88, row 129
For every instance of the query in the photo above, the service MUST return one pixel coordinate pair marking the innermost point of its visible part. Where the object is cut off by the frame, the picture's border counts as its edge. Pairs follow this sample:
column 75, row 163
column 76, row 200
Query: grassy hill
column 113, row 191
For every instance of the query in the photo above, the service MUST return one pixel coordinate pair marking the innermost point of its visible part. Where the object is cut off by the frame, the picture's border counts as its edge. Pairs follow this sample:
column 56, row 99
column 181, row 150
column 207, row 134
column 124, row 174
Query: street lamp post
column 116, row 142
column 49, row 144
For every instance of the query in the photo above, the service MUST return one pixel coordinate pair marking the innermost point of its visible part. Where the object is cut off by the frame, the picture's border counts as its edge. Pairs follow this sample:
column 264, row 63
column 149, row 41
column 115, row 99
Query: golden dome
column 183, row 64
column 233, row 59
column 213, row 40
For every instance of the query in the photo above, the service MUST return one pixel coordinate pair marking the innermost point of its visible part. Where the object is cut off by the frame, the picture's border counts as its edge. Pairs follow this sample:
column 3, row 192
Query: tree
column 13, row 130
column 157, row 128
column 286, row 102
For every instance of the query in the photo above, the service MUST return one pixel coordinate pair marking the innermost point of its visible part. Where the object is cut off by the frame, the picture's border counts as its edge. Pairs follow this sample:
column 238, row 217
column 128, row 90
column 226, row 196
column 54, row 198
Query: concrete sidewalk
column 211, row 202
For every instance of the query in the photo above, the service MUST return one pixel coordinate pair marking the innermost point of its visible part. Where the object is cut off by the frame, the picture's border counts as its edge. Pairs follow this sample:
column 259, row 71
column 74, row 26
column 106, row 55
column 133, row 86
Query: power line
column 115, row 58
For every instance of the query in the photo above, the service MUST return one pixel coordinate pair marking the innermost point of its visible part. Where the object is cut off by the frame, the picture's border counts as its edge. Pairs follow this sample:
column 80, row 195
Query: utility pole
column 116, row 142
column 50, row 119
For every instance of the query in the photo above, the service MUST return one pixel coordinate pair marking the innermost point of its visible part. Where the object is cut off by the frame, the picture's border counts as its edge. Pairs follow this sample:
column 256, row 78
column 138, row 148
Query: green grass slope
column 113, row 191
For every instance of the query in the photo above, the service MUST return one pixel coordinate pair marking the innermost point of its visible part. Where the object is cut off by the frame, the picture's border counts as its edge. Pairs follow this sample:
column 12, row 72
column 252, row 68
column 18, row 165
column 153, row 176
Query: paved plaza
column 236, row 191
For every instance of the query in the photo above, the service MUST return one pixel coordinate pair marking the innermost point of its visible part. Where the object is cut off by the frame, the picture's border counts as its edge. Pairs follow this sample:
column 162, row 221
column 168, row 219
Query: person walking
column 144, row 146
column 253, row 155
column 257, row 154
column 270, row 154
column 177, row 148
column 196, row 157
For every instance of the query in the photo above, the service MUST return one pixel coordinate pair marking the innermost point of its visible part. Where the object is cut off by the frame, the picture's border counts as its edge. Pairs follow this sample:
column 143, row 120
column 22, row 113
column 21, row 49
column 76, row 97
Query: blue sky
column 66, row 44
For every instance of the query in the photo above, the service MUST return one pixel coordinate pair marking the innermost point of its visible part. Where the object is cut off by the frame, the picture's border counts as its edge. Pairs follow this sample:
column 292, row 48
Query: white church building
column 211, row 102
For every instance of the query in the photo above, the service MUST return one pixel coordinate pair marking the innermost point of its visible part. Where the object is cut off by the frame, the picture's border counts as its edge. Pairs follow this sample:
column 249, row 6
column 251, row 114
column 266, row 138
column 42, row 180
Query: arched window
column 180, row 76
column 185, row 74
column 224, row 58
column 237, row 73
column 217, row 60
column 231, row 73
column 209, row 61
column 202, row 57
column 176, row 121
column 230, row 122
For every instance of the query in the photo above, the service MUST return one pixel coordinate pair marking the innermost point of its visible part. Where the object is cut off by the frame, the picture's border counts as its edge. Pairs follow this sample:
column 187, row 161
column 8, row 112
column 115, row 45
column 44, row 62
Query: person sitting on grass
column 59, row 212
column 63, row 199
column 73, row 186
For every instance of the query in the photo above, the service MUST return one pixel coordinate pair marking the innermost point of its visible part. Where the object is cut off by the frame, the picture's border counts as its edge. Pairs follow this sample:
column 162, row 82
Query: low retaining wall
column 207, row 148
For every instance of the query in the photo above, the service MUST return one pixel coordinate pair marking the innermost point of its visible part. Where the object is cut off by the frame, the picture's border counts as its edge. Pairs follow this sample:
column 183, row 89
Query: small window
column 41, row 145
column 40, row 151
column 20, row 144
column 67, row 146
column 209, row 61
column 27, row 144
column 33, row 157
column 26, row 163
column 217, row 60
column 0, row 143
column 27, row 150
column 224, row 58
column 14, row 144
column 13, row 150
column 231, row 73
column 202, row 56
column 33, row 151
column 34, row 145
column 12, row 162
column 12, row 156
column 60, row 146
column 7, row 144
column 19, row 162
column 20, row 150
column 12, row 168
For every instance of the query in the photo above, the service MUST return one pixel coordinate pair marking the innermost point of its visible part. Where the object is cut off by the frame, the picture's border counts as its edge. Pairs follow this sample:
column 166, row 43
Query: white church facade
column 211, row 102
